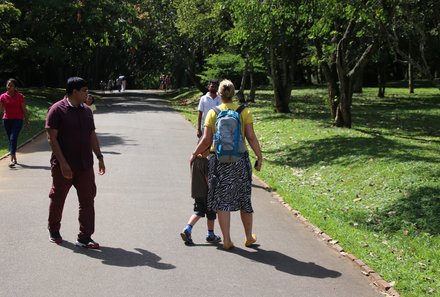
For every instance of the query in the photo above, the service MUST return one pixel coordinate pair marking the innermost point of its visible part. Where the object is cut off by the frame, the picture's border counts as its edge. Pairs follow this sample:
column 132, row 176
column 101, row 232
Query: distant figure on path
column 230, row 184
column 167, row 82
column 14, row 111
column 123, row 84
column 208, row 101
column 199, row 191
column 71, row 134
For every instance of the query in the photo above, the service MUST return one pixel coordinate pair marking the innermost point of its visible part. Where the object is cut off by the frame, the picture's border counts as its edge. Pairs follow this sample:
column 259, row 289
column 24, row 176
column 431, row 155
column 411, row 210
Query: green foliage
column 222, row 65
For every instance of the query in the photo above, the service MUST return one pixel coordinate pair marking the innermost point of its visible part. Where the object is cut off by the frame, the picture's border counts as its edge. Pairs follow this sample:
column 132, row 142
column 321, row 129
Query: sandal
column 250, row 242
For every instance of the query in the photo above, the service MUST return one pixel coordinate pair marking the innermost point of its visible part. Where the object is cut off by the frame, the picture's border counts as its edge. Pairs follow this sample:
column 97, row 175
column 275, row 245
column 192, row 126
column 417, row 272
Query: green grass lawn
column 38, row 101
column 375, row 187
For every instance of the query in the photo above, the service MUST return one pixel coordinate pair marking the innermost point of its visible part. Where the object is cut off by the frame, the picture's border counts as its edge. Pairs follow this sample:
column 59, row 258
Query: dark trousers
column 84, row 183
column 13, row 128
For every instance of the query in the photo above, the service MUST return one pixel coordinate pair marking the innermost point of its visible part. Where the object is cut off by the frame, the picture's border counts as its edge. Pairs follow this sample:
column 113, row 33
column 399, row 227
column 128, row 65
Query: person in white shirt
column 208, row 101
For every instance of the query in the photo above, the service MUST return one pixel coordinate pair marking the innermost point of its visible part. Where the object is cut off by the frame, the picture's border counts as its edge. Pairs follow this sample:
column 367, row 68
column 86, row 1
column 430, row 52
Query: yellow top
column 245, row 116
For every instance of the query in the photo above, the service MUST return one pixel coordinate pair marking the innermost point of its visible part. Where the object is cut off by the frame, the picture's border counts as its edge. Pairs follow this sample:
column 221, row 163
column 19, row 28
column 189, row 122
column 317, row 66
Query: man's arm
column 199, row 124
column 52, row 135
column 97, row 150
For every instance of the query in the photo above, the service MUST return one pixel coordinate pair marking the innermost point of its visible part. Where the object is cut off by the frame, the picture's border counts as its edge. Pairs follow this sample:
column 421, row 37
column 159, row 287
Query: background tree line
column 278, row 43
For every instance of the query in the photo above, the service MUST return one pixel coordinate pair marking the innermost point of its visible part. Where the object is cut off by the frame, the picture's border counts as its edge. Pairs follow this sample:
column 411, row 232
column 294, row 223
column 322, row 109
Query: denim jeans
column 13, row 128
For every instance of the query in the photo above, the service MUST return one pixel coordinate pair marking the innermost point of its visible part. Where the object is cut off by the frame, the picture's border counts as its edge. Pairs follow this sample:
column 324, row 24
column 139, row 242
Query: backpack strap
column 241, row 108
column 216, row 109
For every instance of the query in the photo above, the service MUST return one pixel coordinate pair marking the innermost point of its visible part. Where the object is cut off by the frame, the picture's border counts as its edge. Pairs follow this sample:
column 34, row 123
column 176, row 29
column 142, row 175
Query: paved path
column 142, row 204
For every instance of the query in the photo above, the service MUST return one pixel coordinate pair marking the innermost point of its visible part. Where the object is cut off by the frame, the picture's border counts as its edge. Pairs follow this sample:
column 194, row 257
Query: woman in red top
column 14, row 111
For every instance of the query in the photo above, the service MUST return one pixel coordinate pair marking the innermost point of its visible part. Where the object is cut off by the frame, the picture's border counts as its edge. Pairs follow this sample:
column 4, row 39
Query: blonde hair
column 226, row 89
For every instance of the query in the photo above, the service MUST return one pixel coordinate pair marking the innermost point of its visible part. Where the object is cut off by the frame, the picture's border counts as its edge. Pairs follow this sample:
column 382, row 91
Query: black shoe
column 87, row 243
column 213, row 239
column 55, row 237
column 186, row 236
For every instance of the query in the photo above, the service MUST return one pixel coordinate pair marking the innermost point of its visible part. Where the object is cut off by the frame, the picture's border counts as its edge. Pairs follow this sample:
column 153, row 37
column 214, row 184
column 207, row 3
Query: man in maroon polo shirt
column 71, row 135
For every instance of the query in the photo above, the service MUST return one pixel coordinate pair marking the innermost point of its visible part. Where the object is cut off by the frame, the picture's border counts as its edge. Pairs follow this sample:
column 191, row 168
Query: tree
column 412, row 32
column 8, row 15
column 271, row 29
column 201, row 26
column 345, row 38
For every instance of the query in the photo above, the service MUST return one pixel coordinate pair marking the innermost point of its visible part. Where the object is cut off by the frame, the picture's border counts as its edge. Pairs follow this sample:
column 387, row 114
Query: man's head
column 213, row 85
column 77, row 89
column 75, row 83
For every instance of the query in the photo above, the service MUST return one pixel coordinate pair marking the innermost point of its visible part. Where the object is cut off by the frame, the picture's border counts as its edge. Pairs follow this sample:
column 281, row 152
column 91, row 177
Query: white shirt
column 206, row 103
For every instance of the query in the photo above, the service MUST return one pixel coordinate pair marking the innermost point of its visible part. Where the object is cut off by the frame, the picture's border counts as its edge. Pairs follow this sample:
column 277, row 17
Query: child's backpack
column 228, row 141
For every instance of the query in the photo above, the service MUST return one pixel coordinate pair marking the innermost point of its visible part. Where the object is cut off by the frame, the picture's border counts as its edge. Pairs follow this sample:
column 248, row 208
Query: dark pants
column 13, row 128
column 84, row 183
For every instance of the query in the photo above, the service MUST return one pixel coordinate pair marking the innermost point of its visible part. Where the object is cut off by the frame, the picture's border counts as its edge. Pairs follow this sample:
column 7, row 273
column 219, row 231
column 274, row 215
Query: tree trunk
column 331, row 77
column 240, row 93
column 332, row 87
column 410, row 79
column 194, row 79
column 381, row 82
column 309, row 76
column 252, row 81
column 281, row 71
column 358, row 84
column 343, row 112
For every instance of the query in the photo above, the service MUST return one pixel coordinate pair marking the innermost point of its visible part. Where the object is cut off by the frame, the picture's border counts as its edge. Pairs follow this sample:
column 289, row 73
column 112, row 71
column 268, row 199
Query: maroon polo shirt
column 75, row 126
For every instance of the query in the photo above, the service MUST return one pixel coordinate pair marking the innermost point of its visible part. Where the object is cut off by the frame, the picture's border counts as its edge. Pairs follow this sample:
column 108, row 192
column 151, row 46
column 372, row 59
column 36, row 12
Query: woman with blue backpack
column 230, row 169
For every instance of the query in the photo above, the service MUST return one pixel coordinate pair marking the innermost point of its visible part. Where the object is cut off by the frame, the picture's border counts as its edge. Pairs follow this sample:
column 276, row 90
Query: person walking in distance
column 14, row 112
column 208, row 101
column 71, row 134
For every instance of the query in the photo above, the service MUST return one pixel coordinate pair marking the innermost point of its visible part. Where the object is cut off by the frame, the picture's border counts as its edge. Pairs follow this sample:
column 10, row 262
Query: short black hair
column 214, row 81
column 75, row 83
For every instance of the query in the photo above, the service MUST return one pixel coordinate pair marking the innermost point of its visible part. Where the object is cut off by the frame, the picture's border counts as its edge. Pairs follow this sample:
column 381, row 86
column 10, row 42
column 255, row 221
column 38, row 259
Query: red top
column 12, row 105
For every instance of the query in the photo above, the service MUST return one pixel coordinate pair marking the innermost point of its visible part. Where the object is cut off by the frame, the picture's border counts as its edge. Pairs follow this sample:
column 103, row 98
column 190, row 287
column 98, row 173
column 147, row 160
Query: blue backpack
column 228, row 141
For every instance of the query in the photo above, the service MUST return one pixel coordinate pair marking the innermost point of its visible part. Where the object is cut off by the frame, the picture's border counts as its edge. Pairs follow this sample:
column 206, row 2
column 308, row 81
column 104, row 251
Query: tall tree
column 200, row 24
column 345, row 38
column 413, row 32
column 274, row 27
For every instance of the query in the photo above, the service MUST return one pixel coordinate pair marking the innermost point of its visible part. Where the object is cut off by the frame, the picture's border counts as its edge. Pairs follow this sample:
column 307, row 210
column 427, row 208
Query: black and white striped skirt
column 230, row 185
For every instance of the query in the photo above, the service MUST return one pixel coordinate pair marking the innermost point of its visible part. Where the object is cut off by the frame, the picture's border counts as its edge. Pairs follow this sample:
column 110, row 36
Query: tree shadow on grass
column 419, row 211
column 393, row 115
column 120, row 257
column 284, row 263
column 343, row 150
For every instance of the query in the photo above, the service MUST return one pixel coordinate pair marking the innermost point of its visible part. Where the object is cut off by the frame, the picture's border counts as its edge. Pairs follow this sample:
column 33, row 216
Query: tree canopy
column 336, row 42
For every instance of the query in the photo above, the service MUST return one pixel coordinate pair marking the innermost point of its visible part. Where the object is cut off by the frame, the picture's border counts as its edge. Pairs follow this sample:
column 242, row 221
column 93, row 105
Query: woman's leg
column 247, row 219
column 13, row 139
column 224, row 220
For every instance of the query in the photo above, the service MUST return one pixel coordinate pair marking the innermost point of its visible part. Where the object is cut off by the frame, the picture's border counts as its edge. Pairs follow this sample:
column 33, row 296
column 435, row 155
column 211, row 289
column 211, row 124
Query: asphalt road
column 143, row 202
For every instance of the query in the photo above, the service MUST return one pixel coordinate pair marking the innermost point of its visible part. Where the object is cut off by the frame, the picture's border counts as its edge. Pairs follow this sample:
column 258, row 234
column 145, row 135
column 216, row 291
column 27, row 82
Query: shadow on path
column 31, row 167
column 132, row 102
column 120, row 257
column 286, row 264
